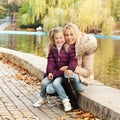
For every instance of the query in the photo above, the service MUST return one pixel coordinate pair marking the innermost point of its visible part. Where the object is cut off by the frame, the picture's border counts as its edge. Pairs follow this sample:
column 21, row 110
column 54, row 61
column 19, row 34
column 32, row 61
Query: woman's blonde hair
column 85, row 44
column 74, row 28
column 52, row 33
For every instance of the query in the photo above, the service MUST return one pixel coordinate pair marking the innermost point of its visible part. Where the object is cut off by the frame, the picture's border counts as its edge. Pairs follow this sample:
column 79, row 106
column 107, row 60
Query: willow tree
column 114, row 6
column 83, row 14
column 58, row 13
column 24, row 14
column 108, row 24
column 2, row 12
column 57, row 19
column 117, row 11
column 32, row 10
column 88, row 17
column 38, row 9
column 87, row 14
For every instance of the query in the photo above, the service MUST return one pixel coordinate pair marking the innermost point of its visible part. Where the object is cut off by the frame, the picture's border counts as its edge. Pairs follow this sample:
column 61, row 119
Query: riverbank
column 14, row 26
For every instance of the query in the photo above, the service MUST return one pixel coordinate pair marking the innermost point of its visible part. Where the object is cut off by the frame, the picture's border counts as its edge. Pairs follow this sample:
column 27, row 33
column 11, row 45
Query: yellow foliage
column 108, row 26
column 86, row 14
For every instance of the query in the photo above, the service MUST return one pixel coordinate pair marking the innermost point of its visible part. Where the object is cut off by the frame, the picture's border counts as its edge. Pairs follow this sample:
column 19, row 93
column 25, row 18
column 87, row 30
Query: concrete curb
column 32, row 63
column 102, row 101
column 98, row 99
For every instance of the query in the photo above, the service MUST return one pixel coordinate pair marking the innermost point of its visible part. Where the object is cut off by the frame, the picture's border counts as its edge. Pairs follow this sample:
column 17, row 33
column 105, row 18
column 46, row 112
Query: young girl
column 59, row 55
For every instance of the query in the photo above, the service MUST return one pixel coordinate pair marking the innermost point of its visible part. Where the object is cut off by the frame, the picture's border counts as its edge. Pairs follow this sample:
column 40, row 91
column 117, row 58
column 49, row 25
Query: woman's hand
column 50, row 76
column 63, row 68
column 69, row 73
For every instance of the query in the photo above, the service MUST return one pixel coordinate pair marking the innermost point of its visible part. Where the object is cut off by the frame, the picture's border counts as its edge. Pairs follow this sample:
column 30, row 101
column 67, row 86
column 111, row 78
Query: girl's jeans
column 44, row 84
column 56, row 86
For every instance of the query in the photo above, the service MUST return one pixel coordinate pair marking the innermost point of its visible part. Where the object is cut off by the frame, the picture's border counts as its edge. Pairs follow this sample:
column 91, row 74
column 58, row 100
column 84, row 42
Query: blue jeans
column 78, row 85
column 56, row 87
column 44, row 84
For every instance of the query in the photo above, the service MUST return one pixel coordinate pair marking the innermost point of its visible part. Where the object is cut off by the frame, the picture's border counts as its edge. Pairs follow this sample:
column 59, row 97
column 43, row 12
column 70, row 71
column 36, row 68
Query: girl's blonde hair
column 52, row 33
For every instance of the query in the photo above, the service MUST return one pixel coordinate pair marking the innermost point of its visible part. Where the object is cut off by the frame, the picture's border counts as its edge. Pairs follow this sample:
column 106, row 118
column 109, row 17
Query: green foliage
column 116, row 10
column 24, row 9
column 50, row 23
column 87, row 14
column 25, row 14
column 2, row 12
column 25, row 19
column 55, row 18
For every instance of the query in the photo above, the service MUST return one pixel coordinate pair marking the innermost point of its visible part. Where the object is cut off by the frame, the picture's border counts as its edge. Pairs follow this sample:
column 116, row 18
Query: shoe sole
column 69, row 110
column 40, row 105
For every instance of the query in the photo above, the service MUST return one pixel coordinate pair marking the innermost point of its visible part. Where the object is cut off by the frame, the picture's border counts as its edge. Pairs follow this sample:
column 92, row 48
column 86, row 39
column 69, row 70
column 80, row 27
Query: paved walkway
column 17, row 98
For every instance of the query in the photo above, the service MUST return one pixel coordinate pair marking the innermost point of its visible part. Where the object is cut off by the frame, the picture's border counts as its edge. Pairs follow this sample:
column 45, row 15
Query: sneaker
column 40, row 102
column 66, row 104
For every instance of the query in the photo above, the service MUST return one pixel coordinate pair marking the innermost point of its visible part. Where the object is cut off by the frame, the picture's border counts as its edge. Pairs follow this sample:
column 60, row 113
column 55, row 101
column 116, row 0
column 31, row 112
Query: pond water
column 106, row 61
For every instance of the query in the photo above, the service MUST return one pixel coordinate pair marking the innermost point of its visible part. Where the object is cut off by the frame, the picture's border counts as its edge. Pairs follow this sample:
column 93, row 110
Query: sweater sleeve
column 85, row 65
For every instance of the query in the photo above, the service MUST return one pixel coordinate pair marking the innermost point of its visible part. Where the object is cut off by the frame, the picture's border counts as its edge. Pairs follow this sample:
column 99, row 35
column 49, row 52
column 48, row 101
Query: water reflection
column 106, row 62
column 26, row 43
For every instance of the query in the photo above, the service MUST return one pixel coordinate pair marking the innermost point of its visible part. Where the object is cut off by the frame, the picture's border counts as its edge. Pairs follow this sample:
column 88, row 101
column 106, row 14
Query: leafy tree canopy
column 87, row 14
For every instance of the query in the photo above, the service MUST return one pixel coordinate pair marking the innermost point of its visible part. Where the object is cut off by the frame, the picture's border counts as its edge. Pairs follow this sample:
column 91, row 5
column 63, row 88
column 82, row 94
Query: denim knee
column 73, row 76
column 45, row 81
column 56, row 84
column 50, row 89
column 81, row 87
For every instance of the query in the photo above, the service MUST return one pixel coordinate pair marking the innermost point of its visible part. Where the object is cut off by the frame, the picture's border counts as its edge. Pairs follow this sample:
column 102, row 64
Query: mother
column 85, row 47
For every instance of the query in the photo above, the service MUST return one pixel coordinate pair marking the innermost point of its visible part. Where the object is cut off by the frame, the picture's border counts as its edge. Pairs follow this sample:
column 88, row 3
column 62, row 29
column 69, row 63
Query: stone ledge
column 32, row 63
column 102, row 101
column 98, row 99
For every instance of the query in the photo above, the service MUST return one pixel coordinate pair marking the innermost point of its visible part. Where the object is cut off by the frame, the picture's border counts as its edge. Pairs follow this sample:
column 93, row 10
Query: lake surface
column 106, row 61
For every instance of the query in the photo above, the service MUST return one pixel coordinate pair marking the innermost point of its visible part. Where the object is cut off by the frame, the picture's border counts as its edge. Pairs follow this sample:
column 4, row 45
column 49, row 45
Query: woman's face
column 70, row 36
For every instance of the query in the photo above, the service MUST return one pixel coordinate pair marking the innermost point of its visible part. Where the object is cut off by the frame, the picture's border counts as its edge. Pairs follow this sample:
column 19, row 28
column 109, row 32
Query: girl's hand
column 50, row 76
column 69, row 73
column 63, row 68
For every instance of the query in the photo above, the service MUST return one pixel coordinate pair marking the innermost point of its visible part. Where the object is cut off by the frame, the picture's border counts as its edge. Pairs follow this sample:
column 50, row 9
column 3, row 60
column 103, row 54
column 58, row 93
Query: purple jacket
column 57, row 60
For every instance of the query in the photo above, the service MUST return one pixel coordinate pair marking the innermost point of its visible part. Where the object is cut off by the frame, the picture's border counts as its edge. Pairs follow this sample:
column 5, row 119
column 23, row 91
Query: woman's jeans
column 56, row 86
column 79, row 86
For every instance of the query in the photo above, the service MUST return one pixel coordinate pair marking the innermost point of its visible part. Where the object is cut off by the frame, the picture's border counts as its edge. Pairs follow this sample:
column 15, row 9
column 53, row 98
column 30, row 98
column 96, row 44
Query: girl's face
column 70, row 36
column 59, row 39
